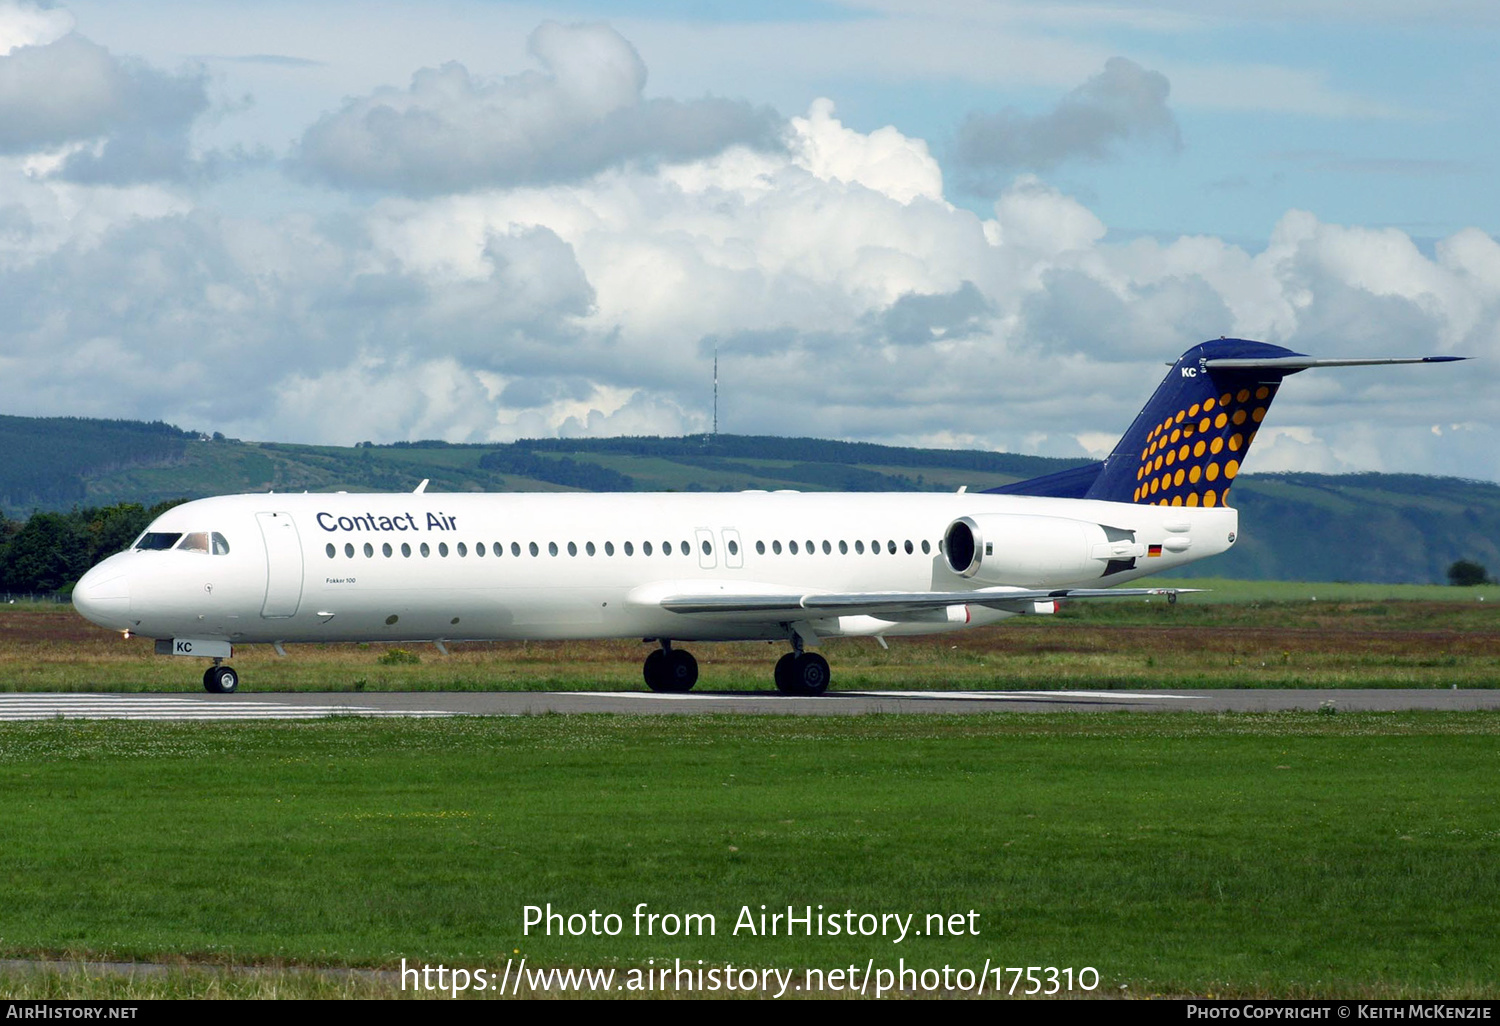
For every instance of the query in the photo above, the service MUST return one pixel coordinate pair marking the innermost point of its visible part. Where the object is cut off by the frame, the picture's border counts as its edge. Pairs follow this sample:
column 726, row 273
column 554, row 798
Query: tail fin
column 1186, row 446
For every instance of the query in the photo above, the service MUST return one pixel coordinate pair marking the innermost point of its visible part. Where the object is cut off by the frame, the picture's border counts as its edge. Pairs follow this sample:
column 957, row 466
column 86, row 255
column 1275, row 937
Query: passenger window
column 827, row 549
column 406, row 550
column 666, row 548
column 221, row 545
column 531, row 548
column 479, row 549
column 589, row 548
column 463, row 550
column 629, row 549
column 443, row 549
column 791, row 547
column 891, row 547
column 843, row 548
column 707, row 548
column 515, row 548
column 349, row 549
column 572, row 549
column 609, row 548
column 760, row 548
column 926, row 547
column 425, row 550
column 552, row 548
column 386, row 549
column 646, row 548
column 734, row 547
column 329, row 549
column 686, row 549
column 810, row 547
column 909, row 548
column 875, row 547
column 859, row 547
column 776, row 547
column 369, row 550
column 195, row 542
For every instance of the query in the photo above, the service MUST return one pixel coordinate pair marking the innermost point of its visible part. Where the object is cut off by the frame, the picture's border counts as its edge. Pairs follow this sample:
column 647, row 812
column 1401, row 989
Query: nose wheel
column 220, row 680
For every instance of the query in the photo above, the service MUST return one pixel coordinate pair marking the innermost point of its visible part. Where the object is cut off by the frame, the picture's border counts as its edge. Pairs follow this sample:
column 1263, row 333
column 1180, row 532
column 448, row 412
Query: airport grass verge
column 1257, row 855
column 1199, row 642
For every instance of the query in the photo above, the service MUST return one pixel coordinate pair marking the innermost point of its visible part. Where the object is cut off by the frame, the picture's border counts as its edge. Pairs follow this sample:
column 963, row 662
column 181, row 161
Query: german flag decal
column 1153, row 550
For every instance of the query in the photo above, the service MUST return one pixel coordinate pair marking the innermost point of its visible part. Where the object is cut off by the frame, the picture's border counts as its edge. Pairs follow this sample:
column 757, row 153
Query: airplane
column 215, row 573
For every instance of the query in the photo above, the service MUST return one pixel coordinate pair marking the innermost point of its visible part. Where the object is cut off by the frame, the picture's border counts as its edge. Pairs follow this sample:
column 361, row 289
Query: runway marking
column 993, row 696
column 15, row 707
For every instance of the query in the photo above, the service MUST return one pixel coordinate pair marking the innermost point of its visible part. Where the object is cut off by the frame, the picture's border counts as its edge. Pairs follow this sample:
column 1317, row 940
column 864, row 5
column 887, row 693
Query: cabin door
column 283, row 565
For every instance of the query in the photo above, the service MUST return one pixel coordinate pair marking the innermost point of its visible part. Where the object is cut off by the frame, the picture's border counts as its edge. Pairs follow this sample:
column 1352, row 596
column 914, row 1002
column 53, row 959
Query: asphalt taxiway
column 311, row 705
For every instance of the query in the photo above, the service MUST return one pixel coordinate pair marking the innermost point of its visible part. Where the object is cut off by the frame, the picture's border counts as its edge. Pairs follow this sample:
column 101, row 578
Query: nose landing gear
column 219, row 679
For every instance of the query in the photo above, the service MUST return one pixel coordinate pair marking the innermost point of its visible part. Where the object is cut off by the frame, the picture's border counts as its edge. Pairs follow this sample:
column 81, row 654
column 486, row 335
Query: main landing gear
column 219, row 679
column 674, row 671
column 670, row 670
column 800, row 673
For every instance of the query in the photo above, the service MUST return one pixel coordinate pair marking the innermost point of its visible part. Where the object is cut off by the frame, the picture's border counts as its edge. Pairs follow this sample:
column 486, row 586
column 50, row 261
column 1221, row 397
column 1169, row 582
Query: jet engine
column 1008, row 548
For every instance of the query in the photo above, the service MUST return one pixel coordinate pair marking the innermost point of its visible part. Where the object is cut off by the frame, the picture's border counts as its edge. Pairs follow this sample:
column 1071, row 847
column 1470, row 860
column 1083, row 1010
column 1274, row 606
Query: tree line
column 49, row 552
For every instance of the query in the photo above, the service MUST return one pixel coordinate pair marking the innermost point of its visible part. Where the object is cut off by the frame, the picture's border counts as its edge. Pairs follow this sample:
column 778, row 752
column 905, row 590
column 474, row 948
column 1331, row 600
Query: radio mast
column 716, row 393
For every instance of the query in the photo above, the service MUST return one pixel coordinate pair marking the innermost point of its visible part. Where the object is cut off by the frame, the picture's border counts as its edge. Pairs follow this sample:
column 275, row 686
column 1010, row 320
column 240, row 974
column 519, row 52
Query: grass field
column 1280, row 855
column 1235, row 634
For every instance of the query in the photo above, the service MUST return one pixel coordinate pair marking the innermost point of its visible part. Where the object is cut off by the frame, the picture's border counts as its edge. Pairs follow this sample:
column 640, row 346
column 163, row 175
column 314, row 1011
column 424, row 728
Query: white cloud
column 451, row 131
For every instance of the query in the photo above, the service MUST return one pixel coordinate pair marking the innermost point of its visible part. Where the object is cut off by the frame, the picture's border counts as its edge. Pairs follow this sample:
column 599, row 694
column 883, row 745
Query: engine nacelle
column 1027, row 551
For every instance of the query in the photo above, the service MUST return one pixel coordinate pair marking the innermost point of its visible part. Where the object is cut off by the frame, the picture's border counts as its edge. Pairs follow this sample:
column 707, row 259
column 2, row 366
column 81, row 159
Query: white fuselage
column 469, row 566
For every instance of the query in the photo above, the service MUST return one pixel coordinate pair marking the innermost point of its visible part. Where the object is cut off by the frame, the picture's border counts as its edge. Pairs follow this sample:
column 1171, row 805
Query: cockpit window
column 197, row 541
column 221, row 545
column 157, row 540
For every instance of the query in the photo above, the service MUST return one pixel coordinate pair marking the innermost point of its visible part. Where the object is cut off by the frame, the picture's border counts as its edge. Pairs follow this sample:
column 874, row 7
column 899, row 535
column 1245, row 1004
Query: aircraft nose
column 103, row 596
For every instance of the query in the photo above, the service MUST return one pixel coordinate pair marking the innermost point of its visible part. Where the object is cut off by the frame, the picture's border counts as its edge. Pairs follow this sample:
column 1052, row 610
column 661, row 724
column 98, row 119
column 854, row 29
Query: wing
column 885, row 605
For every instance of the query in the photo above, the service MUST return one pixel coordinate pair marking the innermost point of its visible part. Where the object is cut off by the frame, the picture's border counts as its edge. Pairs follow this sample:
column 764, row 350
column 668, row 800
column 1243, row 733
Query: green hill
column 1363, row 527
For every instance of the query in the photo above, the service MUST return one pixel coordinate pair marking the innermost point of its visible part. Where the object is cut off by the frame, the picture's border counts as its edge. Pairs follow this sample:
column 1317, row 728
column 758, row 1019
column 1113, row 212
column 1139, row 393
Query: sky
column 952, row 223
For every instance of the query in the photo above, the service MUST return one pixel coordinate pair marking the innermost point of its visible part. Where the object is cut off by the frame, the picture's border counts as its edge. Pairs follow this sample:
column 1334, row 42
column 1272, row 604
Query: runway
column 308, row 705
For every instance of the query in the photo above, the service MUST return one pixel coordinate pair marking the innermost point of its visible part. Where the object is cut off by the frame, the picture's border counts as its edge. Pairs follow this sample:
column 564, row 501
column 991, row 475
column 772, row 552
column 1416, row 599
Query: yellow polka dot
column 1180, row 414
column 1208, row 497
column 1192, row 499
column 1171, row 456
column 1226, row 399
column 1235, row 441
column 1205, row 423
column 1199, row 446
column 1208, row 404
column 1163, row 502
column 1177, row 500
column 1140, row 472
column 1144, row 454
column 1216, row 445
column 1239, row 417
column 1187, row 430
column 1224, row 497
column 1194, row 474
column 1231, row 468
column 1136, row 497
column 1155, row 485
column 1249, row 438
column 1176, row 435
column 1211, row 472
column 1157, row 463
column 1259, row 414
column 1193, row 410
column 1220, row 420
column 1182, row 453
column 1244, row 396
column 1166, row 423
column 1262, row 392
column 1177, row 477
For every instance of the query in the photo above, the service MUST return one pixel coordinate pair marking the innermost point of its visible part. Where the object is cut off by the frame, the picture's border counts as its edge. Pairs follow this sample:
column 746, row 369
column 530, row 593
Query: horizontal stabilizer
column 887, row 605
column 1292, row 364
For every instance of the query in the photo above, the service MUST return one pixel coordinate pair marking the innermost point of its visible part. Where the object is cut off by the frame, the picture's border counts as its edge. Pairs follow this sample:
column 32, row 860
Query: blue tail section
column 1187, row 444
